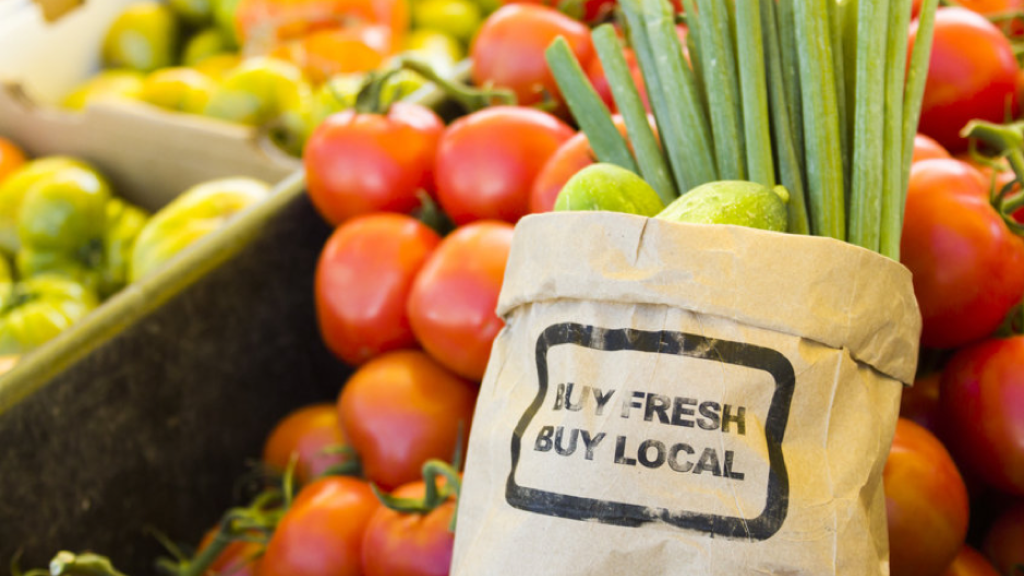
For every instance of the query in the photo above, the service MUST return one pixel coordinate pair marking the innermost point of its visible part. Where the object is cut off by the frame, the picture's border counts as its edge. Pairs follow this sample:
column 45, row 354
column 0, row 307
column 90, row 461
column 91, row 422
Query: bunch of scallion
column 815, row 95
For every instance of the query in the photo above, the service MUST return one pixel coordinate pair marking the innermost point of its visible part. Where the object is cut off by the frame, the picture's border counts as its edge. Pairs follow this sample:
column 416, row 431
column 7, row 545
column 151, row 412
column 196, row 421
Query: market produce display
column 267, row 63
column 788, row 135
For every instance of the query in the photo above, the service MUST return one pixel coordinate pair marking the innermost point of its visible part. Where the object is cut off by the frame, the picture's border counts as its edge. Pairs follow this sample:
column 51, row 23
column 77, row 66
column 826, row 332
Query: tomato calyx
column 472, row 99
column 433, row 497
column 1008, row 141
column 349, row 467
column 431, row 214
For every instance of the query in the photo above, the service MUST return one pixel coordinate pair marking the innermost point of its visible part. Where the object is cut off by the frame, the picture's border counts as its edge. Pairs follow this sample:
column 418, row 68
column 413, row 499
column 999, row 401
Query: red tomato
column 926, row 148
column 307, row 432
column 525, row 31
column 967, row 265
column 973, row 74
column 239, row 558
column 361, row 163
column 322, row 533
column 400, row 410
column 571, row 157
column 982, row 402
column 969, row 562
column 1004, row 542
column 996, row 7
column 11, row 157
column 363, row 280
column 487, row 162
column 453, row 299
column 926, row 502
column 398, row 544
column 920, row 402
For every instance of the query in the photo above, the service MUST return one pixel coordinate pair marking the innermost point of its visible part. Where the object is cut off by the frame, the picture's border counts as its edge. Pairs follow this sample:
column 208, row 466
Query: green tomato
column 259, row 91
column 204, row 44
column 442, row 51
column 64, row 211
column 337, row 94
column 611, row 188
column 197, row 212
column 144, row 37
column 124, row 223
column 40, row 308
column 14, row 188
column 459, row 18
column 180, row 89
column 125, row 84
column 6, row 282
column 195, row 12
column 736, row 202
column 224, row 19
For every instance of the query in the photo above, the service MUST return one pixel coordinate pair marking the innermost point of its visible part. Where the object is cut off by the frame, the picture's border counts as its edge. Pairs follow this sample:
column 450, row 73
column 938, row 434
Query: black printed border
column 664, row 342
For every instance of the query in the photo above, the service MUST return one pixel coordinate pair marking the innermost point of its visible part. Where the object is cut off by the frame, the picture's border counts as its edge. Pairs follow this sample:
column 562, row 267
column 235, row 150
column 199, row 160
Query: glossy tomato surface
column 409, row 544
column 363, row 280
column 453, row 300
column 487, row 162
column 972, row 75
column 970, row 562
column 508, row 50
column 400, row 410
column 322, row 532
column 359, row 163
column 982, row 400
column 926, row 148
column 926, row 502
column 308, row 433
column 967, row 265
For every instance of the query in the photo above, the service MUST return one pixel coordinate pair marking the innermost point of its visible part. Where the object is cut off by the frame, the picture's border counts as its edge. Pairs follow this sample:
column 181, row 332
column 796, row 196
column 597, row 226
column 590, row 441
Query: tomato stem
column 1008, row 141
column 469, row 98
column 433, row 497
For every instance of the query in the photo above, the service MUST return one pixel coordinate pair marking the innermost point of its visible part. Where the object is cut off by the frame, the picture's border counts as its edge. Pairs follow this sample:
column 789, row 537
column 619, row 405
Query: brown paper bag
column 686, row 400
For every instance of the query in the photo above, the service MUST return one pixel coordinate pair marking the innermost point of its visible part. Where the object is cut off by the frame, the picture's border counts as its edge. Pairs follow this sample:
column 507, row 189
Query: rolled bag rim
column 833, row 293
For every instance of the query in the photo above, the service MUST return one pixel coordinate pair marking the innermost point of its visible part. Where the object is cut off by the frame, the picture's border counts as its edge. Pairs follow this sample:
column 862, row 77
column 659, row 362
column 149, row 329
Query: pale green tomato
column 39, row 309
column 144, row 37
column 260, row 90
column 17, row 184
column 108, row 84
column 205, row 44
column 179, row 89
column 459, row 18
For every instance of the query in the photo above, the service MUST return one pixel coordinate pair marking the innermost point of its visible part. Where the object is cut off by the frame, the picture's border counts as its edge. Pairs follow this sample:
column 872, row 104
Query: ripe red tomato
column 239, row 558
column 487, row 162
column 525, row 31
column 306, row 432
column 926, row 148
column 363, row 280
column 982, row 402
column 966, row 263
column 360, row 163
column 920, row 402
column 452, row 303
column 398, row 544
column 400, row 410
column 1004, row 542
column 322, row 533
column 973, row 74
column 926, row 503
column 970, row 562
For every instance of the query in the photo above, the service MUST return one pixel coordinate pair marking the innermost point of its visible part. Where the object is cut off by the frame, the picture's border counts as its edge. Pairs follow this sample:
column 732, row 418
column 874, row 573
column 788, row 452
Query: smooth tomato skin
column 982, row 403
column 525, row 30
column 487, row 162
column 967, row 265
column 970, row 562
column 972, row 75
column 399, row 544
column 363, row 280
column 1004, row 541
column 400, row 410
column 926, row 148
column 453, row 301
column 926, row 502
column 361, row 163
column 322, row 533
column 306, row 432
column 920, row 402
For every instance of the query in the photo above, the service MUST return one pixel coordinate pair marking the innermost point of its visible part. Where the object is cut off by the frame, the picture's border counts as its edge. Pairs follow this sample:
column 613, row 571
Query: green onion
column 867, row 169
column 824, row 160
column 790, row 171
column 754, row 90
column 791, row 71
column 835, row 17
column 693, row 47
column 719, row 64
column 893, row 185
column 653, row 167
column 586, row 106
